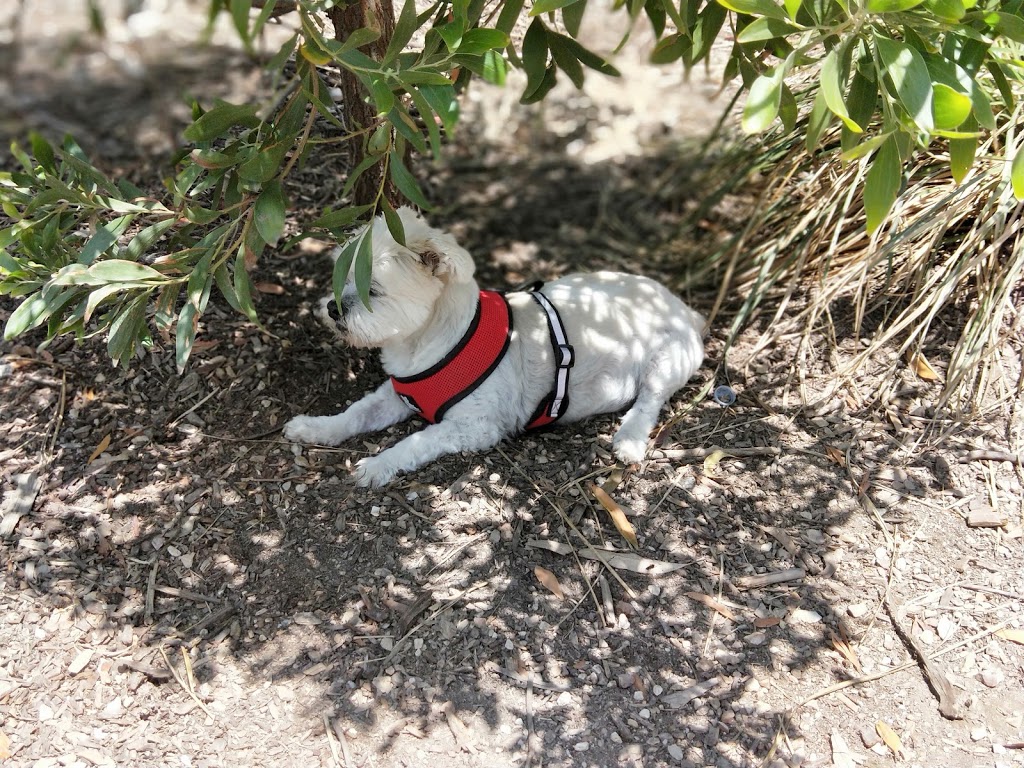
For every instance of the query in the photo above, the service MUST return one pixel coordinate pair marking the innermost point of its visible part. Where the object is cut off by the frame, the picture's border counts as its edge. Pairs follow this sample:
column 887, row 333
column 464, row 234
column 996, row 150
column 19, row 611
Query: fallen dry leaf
column 922, row 368
column 836, row 455
column 1013, row 635
column 842, row 756
column 711, row 603
column 104, row 444
column 890, row 737
column 5, row 746
column 629, row 561
column 272, row 288
column 549, row 580
column 767, row 621
column 622, row 524
column 846, row 651
column 711, row 461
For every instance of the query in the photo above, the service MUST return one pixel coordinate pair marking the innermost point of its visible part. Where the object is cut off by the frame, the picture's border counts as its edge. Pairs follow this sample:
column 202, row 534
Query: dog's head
column 406, row 284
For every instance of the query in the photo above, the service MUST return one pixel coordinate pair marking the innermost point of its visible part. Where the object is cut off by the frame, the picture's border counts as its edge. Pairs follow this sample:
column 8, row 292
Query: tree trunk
column 356, row 14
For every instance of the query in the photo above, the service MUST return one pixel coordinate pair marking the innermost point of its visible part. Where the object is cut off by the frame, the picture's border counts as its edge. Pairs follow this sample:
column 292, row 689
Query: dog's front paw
column 630, row 451
column 320, row 430
column 374, row 471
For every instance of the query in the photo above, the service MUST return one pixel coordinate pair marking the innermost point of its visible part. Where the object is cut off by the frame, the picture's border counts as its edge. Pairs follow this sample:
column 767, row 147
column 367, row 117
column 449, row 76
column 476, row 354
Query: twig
column 699, row 454
column 177, row 676
column 990, row 455
column 328, row 731
column 949, row 705
column 349, row 763
column 764, row 579
column 447, row 604
column 893, row 670
column 194, row 408
column 992, row 591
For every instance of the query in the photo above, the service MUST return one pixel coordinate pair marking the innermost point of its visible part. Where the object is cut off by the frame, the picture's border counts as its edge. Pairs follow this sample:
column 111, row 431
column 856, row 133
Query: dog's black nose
column 332, row 310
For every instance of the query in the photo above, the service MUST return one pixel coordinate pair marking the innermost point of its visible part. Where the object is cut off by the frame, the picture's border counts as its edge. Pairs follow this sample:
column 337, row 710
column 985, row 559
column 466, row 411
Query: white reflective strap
column 567, row 354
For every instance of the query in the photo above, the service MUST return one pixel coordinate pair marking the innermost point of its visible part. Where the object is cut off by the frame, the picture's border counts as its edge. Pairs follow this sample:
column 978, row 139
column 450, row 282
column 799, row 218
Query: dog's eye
column 375, row 292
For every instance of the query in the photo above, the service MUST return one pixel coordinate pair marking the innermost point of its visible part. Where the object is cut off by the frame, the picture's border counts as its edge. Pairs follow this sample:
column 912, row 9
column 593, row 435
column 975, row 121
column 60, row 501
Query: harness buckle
column 568, row 356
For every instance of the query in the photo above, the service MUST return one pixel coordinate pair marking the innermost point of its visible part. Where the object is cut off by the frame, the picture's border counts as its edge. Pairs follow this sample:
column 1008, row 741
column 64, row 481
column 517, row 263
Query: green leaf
column 755, row 8
column 218, row 120
column 566, row 61
column 381, row 93
column 126, row 329
column 792, row 7
column 572, row 16
column 1017, row 173
column 535, row 56
column 542, row 89
column 104, row 238
column 43, row 152
column 340, row 218
column 882, row 184
column 240, row 16
column 444, row 102
column 891, row 6
column 817, row 121
column 833, row 81
column 146, row 237
column 427, row 116
column 269, row 212
column 477, row 41
column 949, row 107
column 910, row 78
column 243, row 288
column 343, row 264
column 509, row 16
column 670, row 48
column 122, row 271
column 494, row 68
column 763, row 100
column 949, row 11
column 405, row 181
column 185, row 335
column 961, row 157
column 1010, row 25
column 765, row 28
column 405, row 27
column 363, row 269
column 225, row 286
column 547, row 6
column 33, row 311
column 394, row 221
column 103, row 292
column 866, row 147
column 586, row 57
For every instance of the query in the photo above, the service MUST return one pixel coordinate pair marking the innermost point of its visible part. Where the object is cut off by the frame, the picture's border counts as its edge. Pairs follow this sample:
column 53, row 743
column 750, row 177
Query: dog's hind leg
column 667, row 372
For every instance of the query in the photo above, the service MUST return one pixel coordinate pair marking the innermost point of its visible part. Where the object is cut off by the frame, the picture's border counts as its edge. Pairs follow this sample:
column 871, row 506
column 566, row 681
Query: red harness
column 475, row 357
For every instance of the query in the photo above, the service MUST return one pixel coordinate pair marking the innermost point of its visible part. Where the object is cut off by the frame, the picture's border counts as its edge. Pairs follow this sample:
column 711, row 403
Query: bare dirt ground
column 180, row 587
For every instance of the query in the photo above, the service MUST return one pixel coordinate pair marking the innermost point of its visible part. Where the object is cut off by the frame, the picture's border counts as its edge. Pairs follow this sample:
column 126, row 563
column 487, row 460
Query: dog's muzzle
column 334, row 311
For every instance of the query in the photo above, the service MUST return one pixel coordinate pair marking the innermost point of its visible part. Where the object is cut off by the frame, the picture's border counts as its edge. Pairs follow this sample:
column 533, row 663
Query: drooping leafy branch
column 91, row 256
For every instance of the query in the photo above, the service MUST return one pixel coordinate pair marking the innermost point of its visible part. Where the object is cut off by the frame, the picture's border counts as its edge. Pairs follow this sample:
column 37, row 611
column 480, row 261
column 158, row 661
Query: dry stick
column 991, row 591
column 447, row 604
column 699, row 454
column 892, row 670
column 988, row 455
column 185, row 687
column 764, row 579
column 349, row 763
column 949, row 705
column 330, row 740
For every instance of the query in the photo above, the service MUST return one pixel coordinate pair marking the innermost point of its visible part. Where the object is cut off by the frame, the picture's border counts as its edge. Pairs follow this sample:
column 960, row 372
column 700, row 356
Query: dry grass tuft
column 802, row 253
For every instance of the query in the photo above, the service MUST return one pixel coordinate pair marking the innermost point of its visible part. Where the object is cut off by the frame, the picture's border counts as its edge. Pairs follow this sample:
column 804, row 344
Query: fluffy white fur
column 635, row 343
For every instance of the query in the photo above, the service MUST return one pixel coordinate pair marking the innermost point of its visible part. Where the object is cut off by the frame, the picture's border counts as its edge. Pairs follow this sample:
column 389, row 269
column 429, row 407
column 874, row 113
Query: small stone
column 803, row 616
column 992, row 677
column 581, row 746
column 645, row 713
column 869, row 736
column 857, row 610
column 978, row 733
column 756, row 638
column 564, row 699
column 81, row 661
column 45, row 713
column 625, row 680
column 675, row 752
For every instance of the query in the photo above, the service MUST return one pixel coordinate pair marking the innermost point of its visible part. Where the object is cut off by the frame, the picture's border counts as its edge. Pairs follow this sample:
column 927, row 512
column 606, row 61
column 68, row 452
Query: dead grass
column 800, row 252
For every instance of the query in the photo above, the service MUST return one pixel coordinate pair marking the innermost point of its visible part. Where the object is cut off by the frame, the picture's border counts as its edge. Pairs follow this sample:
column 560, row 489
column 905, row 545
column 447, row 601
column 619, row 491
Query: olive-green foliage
column 90, row 256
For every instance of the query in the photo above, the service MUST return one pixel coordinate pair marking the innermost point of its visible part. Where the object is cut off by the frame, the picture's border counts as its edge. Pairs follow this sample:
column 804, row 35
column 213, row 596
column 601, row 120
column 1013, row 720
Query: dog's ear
column 437, row 250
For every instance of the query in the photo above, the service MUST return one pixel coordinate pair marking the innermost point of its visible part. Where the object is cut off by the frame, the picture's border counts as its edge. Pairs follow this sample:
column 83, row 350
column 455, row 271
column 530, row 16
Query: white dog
column 482, row 365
